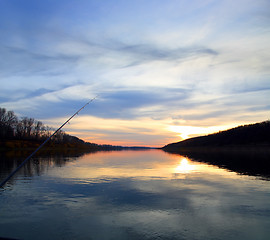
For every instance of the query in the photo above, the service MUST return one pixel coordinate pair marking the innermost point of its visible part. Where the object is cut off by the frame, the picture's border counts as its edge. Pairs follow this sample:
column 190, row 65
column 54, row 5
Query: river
column 132, row 195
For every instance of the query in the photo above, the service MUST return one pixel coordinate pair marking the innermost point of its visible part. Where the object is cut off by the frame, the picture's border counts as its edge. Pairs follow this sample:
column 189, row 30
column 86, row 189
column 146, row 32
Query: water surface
column 132, row 195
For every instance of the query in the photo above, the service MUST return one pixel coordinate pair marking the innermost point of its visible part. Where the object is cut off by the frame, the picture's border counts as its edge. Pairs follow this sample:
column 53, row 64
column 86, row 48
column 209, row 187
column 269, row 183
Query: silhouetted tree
column 27, row 126
column 8, row 122
column 39, row 130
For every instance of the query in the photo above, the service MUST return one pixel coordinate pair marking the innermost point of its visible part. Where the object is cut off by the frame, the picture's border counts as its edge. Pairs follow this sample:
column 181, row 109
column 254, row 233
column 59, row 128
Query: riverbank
column 23, row 148
column 17, row 145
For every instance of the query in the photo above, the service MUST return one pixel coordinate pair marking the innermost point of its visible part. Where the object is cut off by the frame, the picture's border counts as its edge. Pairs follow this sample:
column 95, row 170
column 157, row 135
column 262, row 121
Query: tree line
column 25, row 128
column 31, row 130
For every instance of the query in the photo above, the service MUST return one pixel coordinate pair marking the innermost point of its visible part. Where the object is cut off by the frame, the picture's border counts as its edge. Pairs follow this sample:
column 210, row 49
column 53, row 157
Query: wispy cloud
column 145, row 52
column 22, row 62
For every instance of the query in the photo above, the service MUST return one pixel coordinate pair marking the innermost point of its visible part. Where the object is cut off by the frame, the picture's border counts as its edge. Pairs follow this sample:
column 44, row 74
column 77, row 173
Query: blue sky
column 162, row 70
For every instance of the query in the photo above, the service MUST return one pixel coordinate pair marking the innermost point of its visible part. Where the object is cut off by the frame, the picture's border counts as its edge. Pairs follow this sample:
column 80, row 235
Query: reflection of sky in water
column 136, row 195
column 140, row 165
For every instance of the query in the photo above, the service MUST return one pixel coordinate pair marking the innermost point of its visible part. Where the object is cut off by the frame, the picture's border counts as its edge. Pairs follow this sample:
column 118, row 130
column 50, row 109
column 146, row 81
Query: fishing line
column 33, row 153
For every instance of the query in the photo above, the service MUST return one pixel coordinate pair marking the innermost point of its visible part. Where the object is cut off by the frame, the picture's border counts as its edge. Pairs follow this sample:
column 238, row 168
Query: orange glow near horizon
column 137, row 132
column 140, row 132
column 186, row 132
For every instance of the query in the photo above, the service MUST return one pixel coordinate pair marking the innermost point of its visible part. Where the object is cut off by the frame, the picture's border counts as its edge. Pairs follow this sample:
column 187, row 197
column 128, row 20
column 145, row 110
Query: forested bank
column 27, row 133
column 25, row 128
column 251, row 136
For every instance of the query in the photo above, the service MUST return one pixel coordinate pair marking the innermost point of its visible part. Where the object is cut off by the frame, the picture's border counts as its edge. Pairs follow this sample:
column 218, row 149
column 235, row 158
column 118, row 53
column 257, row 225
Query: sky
column 162, row 71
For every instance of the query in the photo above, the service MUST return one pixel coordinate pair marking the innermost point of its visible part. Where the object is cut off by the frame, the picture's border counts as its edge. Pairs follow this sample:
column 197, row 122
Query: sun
column 192, row 131
column 185, row 131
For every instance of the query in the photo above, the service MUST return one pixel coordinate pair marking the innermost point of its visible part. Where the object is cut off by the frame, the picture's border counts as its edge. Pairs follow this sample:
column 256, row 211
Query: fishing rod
column 33, row 153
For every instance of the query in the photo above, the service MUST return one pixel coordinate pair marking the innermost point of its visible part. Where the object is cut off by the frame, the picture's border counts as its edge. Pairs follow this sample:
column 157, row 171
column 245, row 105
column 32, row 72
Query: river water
column 132, row 195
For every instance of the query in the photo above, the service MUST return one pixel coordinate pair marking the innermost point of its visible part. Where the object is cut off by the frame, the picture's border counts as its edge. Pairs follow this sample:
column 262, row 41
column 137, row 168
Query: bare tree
column 8, row 122
column 27, row 126
column 38, row 126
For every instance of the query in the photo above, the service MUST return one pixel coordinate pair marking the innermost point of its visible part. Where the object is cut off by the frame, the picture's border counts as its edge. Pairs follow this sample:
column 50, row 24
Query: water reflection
column 185, row 166
column 135, row 195
column 255, row 163
column 138, row 165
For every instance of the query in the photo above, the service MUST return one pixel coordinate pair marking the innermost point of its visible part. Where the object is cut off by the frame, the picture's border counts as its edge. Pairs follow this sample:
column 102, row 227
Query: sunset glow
column 190, row 131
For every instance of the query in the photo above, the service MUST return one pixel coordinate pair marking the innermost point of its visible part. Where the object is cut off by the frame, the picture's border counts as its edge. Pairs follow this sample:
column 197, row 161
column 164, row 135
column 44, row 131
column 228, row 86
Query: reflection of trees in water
column 255, row 163
column 37, row 165
column 44, row 159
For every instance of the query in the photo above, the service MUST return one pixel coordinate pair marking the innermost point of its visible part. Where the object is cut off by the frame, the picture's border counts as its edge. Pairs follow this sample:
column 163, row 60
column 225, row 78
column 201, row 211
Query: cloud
column 145, row 52
column 129, row 104
column 18, row 61
column 78, row 52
